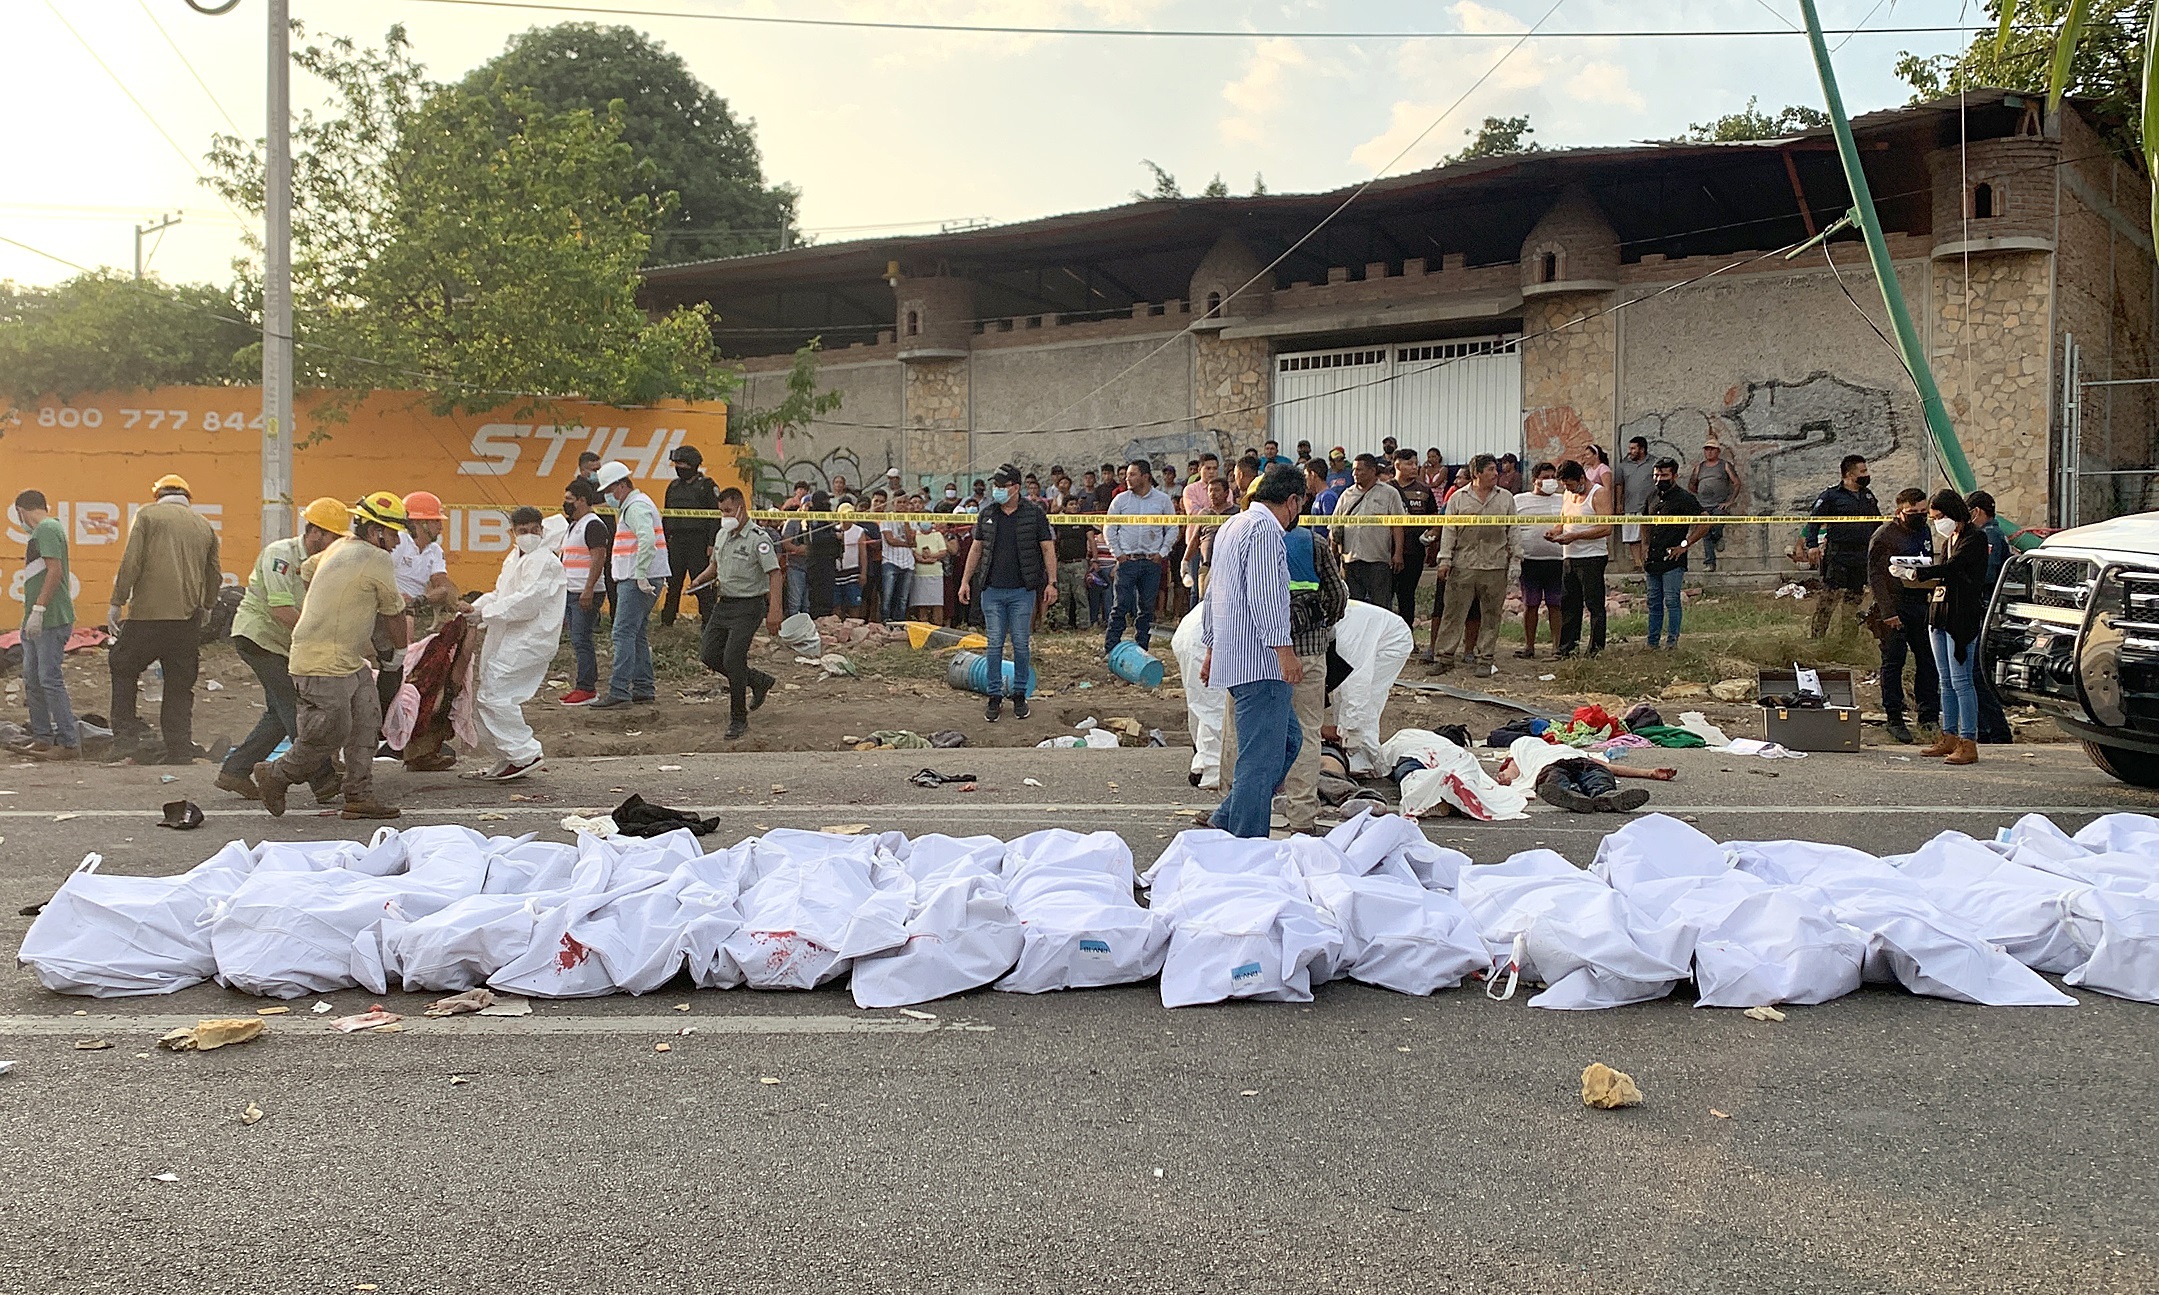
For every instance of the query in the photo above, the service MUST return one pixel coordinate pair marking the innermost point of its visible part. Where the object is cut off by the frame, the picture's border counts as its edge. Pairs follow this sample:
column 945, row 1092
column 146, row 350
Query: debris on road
column 845, row 829
column 1607, row 1089
column 599, row 825
column 91, row 1045
column 918, row 1015
column 767, row 1079
column 321, row 1009
column 181, row 816
column 932, row 778
column 1031, row 782
column 472, row 1000
column 6, row 1066
column 208, row 1035
column 252, row 1115
column 272, row 1011
column 1763, row 1014
column 373, row 1018
column 663, row 1047
column 166, row 1177
column 458, row 1081
column 682, row 1007
column 670, row 768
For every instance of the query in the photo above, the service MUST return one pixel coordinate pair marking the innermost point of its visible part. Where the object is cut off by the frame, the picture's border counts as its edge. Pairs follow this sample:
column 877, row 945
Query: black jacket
column 1846, row 539
column 1960, row 606
column 688, row 538
column 1033, row 531
column 1892, row 540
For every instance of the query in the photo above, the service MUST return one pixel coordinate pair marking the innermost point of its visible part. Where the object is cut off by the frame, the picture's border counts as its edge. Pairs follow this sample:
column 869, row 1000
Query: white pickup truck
column 2073, row 630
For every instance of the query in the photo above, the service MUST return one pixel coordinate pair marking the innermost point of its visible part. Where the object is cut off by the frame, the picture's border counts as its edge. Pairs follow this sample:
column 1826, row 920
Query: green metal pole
column 1855, row 177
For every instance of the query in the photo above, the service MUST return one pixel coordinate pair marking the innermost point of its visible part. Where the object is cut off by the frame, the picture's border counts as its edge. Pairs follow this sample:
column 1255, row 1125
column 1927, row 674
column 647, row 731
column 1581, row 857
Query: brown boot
column 272, row 788
column 1946, row 744
column 368, row 809
column 238, row 786
column 1967, row 752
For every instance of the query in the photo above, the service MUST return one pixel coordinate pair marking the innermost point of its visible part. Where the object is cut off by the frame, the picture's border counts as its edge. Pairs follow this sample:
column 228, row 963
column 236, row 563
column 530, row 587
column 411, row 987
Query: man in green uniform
column 262, row 636
column 350, row 593
column 48, row 619
column 745, row 573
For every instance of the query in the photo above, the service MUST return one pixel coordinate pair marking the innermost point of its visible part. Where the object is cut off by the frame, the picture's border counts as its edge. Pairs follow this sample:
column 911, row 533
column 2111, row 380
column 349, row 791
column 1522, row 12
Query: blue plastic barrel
column 971, row 671
column 1135, row 664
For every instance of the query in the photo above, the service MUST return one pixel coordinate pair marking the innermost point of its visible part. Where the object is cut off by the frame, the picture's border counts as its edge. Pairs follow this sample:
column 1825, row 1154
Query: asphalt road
column 1365, row 1142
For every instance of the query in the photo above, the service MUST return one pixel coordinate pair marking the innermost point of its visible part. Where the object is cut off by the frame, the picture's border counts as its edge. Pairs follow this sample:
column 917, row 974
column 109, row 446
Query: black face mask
column 1915, row 521
column 1864, row 482
column 685, row 471
column 1665, row 487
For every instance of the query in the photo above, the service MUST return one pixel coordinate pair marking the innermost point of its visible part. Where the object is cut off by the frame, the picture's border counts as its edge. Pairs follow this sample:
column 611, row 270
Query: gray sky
column 902, row 130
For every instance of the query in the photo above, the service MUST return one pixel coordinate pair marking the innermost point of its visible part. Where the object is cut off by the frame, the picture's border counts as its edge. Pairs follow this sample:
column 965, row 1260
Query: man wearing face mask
column 1841, row 547
column 522, row 634
column 1011, row 571
column 351, row 594
column 639, row 563
column 745, row 575
column 584, row 558
column 688, row 538
column 1900, row 615
column 1543, row 561
column 1665, row 549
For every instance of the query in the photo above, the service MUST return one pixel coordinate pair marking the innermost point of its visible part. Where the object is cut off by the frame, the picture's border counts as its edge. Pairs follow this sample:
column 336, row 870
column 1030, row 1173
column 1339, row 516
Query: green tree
column 1259, row 185
column 105, row 331
column 2101, row 61
column 802, row 405
column 1165, row 184
column 1215, row 188
column 1497, row 137
column 688, row 142
column 477, row 246
column 1751, row 122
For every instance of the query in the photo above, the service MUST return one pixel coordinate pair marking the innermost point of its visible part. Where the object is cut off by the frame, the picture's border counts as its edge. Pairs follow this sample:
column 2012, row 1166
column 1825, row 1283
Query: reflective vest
column 577, row 553
column 625, row 555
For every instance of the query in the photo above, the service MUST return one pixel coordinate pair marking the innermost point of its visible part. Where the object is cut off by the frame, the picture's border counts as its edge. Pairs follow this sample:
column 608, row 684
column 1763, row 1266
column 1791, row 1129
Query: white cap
column 612, row 471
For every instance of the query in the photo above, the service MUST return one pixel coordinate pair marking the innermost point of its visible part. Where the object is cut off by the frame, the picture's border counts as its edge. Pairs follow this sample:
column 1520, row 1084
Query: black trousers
column 1583, row 777
column 1581, row 590
column 1910, row 639
column 725, row 649
column 176, row 646
column 671, row 603
column 1371, row 582
column 1407, row 579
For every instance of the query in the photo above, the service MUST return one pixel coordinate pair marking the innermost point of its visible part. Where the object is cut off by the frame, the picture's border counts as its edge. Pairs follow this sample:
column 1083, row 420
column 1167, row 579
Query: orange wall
column 95, row 456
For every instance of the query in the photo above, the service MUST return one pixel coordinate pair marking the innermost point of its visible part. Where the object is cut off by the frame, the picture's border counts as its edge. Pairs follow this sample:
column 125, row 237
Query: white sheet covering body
column 1450, row 776
column 961, row 931
column 1083, row 927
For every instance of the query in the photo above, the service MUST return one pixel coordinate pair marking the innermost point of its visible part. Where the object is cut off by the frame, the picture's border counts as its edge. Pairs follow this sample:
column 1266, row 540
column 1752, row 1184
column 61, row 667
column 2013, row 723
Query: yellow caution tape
column 1180, row 519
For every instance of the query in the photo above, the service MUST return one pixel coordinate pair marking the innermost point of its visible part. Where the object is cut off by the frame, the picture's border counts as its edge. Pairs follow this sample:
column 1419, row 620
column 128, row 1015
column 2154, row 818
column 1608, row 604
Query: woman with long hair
column 1957, row 609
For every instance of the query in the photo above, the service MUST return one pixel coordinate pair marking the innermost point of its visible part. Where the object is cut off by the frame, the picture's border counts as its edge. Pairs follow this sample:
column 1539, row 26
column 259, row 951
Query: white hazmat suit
column 523, row 619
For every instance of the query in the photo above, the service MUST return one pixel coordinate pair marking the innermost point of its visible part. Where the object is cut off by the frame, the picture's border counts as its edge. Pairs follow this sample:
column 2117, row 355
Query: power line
column 1185, row 33
column 189, row 65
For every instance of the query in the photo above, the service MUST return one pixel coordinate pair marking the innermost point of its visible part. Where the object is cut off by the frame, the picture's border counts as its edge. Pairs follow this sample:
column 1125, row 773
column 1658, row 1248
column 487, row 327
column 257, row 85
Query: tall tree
column 476, row 246
column 1497, row 137
column 105, row 331
column 2100, row 61
column 1751, row 122
column 685, row 137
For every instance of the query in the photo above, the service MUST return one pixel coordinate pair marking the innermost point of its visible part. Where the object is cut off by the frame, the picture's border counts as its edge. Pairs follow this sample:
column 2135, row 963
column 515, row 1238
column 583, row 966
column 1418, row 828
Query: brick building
column 1536, row 303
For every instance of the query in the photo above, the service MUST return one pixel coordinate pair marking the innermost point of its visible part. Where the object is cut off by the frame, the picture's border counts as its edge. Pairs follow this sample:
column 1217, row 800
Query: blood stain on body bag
column 573, row 953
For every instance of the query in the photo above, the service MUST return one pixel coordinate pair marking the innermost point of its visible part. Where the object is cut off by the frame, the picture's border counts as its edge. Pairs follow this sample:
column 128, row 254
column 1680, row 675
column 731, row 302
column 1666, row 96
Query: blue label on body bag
column 1249, row 971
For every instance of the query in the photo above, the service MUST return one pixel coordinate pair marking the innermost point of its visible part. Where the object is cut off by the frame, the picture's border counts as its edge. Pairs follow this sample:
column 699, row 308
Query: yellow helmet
column 171, row 481
column 328, row 514
column 383, row 509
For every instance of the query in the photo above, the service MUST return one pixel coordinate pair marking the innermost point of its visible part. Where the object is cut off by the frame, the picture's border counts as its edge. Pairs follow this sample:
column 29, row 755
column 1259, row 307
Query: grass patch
column 1727, row 636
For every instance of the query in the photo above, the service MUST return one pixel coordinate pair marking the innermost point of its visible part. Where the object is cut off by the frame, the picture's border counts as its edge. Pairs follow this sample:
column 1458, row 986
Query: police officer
column 745, row 573
column 1840, row 548
column 688, row 538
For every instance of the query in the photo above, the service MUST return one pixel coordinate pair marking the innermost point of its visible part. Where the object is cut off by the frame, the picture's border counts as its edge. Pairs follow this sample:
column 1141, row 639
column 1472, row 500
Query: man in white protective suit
column 523, row 619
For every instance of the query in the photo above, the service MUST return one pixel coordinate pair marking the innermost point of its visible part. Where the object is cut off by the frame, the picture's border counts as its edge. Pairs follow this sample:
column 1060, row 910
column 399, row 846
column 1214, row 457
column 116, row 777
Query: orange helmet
column 422, row 506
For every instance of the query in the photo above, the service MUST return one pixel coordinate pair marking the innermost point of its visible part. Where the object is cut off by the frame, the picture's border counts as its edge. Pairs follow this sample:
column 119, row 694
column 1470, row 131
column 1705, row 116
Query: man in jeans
column 1245, row 625
column 1665, row 548
column 1584, row 547
column 745, row 572
column 262, row 636
column 169, row 577
column 48, row 619
column 1473, row 562
column 1140, row 552
column 1372, row 553
column 1009, row 569
column 640, row 566
column 585, row 548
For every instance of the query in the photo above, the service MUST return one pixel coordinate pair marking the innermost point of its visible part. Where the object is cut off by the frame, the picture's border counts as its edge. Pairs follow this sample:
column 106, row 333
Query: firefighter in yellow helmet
column 169, row 578
column 262, row 636
column 351, row 599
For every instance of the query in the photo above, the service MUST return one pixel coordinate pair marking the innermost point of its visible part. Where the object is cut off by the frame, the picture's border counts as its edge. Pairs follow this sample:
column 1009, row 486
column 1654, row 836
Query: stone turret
column 1228, row 266
column 1573, row 249
column 936, row 317
column 1995, row 195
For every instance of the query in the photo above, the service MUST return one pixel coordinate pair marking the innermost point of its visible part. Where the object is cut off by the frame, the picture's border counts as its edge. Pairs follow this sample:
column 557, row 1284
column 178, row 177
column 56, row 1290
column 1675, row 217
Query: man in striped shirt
column 1245, row 627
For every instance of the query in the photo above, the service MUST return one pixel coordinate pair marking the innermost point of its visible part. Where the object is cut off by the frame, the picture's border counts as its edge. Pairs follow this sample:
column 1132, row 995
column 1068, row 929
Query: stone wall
column 1568, row 353
column 859, row 440
column 1133, row 393
column 1232, row 383
column 1989, row 352
column 936, row 397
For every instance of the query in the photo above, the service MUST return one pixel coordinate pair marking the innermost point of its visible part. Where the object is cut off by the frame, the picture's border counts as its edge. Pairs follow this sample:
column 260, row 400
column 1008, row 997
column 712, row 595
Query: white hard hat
column 612, row 471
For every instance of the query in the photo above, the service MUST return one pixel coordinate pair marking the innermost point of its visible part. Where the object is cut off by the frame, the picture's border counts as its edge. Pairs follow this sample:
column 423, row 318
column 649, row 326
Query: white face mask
column 1548, row 486
column 529, row 543
column 1945, row 527
column 729, row 525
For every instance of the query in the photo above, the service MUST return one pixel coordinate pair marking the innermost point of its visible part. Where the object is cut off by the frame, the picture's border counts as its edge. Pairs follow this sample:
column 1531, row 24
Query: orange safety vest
column 626, row 543
column 576, row 555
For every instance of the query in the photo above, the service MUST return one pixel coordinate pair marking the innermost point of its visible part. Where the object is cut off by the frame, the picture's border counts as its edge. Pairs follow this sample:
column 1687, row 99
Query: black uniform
column 689, row 540
column 1844, row 548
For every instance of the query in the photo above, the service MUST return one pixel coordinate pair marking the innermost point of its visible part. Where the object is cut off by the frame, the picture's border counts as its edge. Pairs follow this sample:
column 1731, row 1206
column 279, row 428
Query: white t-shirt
column 851, row 548
column 1593, row 504
column 897, row 555
column 1534, row 546
column 415, row 565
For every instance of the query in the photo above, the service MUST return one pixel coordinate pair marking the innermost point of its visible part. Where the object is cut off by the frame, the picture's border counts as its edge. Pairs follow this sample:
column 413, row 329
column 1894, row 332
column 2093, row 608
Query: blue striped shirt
column 1149, row 541
column 1246, row 615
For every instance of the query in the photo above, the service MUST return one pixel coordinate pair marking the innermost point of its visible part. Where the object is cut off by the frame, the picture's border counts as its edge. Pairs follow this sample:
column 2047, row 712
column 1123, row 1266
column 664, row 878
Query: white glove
column 34, row 623
column 112, row 620
column 647, row 588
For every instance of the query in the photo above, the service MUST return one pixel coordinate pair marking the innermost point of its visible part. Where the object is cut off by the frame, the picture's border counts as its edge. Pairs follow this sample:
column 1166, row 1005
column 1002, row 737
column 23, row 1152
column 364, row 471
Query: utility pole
column 277, row 283
column 1885, row 275
column 163, row 223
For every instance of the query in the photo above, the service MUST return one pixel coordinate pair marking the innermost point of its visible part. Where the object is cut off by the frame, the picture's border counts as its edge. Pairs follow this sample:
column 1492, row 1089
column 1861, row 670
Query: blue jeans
column 1139, row 584
column 631, row 674
column 1008, row 613
column 1960, row 699
column 581, row 624
column 898, row 590
column 52, row 717
column 798, row 585
column 1664, row 605
column 1268, row 739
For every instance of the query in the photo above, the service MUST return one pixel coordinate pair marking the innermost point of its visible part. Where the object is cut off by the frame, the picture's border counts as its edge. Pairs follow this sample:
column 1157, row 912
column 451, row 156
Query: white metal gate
column 1463, row 395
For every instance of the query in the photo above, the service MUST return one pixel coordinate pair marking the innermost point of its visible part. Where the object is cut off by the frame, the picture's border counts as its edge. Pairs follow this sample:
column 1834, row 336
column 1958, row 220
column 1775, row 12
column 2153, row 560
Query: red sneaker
column 581, row 697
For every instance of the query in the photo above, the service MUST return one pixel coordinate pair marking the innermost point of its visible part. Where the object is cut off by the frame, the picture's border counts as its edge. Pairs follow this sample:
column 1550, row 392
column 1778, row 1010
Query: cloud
column 1602, row 82
column 1254, row 96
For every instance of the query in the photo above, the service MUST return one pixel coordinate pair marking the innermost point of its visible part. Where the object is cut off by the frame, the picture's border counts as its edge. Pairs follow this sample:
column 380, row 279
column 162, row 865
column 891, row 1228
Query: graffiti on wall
column 1787, row 436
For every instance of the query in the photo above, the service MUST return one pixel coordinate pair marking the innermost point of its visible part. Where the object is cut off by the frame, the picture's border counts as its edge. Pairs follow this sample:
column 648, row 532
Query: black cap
column 1007, row 476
